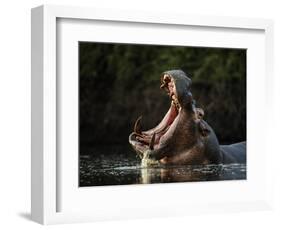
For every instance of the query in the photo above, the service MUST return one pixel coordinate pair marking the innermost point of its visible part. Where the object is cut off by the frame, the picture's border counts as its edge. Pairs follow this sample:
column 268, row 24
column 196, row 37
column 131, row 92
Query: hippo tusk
column 137, row 126
column 151, row 144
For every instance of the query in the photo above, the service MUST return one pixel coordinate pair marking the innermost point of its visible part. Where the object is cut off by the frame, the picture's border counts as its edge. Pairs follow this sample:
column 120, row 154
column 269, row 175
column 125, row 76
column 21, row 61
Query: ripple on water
column 121, row 169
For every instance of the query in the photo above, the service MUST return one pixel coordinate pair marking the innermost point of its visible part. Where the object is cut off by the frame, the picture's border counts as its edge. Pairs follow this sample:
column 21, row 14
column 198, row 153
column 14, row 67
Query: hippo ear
column 204, row 130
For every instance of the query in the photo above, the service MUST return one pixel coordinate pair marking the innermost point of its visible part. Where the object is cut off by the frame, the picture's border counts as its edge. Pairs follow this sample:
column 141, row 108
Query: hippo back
column 234, row 153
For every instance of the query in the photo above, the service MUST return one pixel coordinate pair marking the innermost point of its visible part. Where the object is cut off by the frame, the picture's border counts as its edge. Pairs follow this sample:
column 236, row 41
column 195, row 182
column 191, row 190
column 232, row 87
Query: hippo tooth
column 151, row 144
column 167, row 78
column 137, row 126
column 163, row 85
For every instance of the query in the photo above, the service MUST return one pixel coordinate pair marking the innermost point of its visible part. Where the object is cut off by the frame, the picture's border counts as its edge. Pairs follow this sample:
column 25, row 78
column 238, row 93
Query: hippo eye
column 200, row 112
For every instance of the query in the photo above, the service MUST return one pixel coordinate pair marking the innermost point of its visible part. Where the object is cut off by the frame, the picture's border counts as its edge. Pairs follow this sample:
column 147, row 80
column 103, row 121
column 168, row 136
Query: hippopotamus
column 183, row 136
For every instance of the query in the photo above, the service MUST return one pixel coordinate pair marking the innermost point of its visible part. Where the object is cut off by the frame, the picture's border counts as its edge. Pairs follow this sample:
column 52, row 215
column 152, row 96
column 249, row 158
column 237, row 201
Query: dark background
column 120, row 82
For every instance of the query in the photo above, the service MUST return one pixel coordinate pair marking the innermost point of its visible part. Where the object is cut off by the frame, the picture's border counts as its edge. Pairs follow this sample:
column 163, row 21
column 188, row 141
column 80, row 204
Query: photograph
column 151, row 113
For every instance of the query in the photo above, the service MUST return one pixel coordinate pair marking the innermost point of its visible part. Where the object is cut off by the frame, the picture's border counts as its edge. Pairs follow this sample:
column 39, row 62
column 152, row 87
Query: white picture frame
column 46, row 179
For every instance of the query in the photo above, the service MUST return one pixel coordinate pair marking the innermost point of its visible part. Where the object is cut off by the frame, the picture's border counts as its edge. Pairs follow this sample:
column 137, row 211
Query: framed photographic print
column 138, row 114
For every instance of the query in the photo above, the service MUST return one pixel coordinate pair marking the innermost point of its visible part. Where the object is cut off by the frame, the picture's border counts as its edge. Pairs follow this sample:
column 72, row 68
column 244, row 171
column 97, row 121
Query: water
column 111, row 167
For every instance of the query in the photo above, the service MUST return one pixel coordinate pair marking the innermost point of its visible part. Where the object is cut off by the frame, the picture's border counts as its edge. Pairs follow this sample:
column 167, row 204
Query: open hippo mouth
column 182, row 137
column 177, row 86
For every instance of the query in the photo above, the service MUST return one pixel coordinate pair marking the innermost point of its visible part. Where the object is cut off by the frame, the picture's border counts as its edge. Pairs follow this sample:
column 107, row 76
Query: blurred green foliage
column 119, row 82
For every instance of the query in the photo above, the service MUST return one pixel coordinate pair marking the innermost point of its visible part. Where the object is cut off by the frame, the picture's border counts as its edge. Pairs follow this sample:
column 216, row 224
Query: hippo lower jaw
column 145, row 141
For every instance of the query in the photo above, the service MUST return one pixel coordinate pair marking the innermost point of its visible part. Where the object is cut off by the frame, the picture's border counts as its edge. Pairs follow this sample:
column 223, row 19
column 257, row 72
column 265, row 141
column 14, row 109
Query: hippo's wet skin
column 183, row 137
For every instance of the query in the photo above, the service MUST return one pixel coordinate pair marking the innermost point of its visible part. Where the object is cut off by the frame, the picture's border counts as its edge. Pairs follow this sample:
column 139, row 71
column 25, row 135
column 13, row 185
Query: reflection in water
column 193, row 173
column 120, row 169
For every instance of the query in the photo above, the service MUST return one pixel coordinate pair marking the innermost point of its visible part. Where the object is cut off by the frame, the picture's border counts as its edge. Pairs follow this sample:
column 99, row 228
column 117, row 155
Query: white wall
column 15, row 112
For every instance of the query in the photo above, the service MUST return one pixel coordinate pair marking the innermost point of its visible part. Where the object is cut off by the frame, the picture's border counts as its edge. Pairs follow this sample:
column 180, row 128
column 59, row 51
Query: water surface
column 120, row 168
